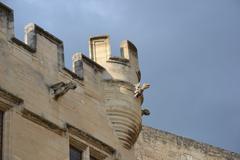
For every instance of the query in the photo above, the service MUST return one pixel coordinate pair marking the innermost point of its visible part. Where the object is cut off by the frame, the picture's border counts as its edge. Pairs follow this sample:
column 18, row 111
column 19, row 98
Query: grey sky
column 189, row 52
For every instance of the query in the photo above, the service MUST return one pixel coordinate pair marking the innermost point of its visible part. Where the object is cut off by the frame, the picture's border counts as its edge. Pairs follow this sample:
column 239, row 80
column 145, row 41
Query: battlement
column 100, row 51
column 6, row 21
column 108, row 80
column 124, row 67
column 119, row 67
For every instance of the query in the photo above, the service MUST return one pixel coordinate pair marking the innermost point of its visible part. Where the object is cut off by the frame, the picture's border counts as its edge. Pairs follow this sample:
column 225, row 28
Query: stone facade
column 48, row 108
column 155, row 144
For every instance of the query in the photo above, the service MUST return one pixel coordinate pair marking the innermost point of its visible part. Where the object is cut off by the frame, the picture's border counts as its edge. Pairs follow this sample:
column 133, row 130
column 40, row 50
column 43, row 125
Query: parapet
column 31, row 32
column 124, row 67
column 6, row 21
column 78, row 61
column 100, row 50
column 125, row 64
column 38, row 42
column 128, row 50
column 110, row 80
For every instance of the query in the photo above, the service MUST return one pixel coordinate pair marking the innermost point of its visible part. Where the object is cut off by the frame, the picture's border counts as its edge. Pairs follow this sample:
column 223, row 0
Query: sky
column 189, row 51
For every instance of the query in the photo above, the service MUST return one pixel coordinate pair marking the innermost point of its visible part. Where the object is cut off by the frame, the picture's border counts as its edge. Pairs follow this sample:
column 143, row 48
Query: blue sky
column 189, row 51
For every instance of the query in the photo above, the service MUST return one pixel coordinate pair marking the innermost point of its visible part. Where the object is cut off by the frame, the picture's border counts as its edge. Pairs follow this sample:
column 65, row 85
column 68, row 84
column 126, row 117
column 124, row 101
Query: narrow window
column 75, row 154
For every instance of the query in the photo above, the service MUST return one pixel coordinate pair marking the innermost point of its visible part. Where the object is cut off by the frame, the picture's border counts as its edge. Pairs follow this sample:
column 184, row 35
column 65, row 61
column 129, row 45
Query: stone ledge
column 43, row 122
column 132, row 47
column 80, row 144
column 118, row 60
column 8, row 100
column 72, row 74
column 23, row 45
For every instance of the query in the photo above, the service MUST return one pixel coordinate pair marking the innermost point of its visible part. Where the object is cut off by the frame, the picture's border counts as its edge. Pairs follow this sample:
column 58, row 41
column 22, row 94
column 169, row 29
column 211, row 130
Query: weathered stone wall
column 44, row 126
column 95, row 109
column 154, row 144
column 28, row 76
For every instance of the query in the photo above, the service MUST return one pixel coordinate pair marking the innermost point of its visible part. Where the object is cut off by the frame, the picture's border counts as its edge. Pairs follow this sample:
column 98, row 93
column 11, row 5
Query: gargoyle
column 145, row 112
column 139, row 89
column 59, row 89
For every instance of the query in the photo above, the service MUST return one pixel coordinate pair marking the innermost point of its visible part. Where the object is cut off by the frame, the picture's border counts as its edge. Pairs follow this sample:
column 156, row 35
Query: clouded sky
column 189, row 51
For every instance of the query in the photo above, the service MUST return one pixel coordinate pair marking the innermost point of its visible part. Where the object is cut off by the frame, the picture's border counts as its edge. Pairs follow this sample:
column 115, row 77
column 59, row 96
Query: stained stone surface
column 154, row 144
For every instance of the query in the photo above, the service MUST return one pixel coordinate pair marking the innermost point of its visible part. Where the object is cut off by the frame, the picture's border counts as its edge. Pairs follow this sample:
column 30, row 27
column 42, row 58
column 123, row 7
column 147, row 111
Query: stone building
column 48, row 112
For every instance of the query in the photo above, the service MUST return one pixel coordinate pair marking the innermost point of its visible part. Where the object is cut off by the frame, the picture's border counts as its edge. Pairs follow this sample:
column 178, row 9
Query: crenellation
column 96, row 94
column 77, row 65
column 6, row 21
column 99, row 48
column 33, row 29
column 23, row 45
column 93, row 64
column 95, row 107
column 49, row 52
column 128, row 50
column 32, row 36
